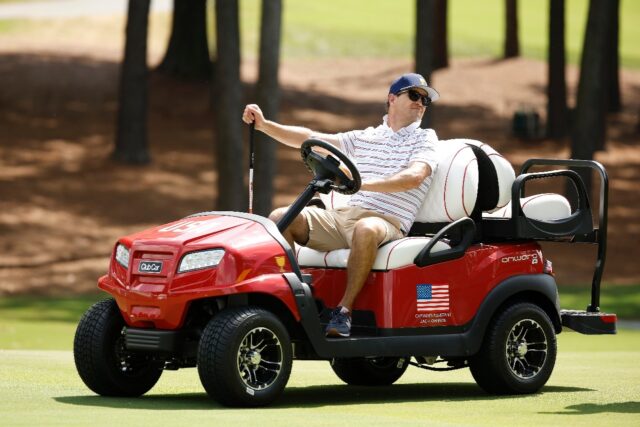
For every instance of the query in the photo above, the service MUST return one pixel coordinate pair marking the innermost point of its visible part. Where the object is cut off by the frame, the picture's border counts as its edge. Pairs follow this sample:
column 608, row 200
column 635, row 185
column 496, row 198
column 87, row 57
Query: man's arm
column 406, row 179
column 293, row 136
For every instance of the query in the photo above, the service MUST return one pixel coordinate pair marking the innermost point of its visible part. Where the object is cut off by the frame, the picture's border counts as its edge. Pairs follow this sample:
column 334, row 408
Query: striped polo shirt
column 380, row 152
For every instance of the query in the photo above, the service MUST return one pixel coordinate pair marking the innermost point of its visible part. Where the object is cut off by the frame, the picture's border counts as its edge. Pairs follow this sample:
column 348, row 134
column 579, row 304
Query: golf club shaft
column 252, row 128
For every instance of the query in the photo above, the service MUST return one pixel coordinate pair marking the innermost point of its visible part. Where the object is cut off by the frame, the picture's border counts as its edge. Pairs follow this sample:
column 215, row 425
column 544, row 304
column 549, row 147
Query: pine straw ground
column 63, row 202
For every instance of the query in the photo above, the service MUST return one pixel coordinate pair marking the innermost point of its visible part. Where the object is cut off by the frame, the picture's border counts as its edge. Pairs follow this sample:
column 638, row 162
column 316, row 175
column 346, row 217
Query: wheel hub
column 526, row 349
column 253, row 358
column 260, row 358
column 522, row 349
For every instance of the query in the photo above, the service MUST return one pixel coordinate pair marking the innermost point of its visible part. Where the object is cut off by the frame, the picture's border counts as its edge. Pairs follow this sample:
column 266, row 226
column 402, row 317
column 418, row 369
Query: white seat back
column 454, row 188
column 504, row 172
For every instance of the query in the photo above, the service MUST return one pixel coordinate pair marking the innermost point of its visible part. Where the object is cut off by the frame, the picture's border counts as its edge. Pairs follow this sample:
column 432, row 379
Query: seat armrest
column 467, row 229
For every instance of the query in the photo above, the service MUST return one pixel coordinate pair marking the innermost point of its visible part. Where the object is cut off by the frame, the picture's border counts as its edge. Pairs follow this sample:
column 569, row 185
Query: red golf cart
column 468, row 287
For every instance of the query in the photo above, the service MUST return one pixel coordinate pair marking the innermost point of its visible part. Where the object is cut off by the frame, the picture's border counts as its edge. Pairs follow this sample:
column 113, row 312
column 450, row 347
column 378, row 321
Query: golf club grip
column 251, row 190
column 252, row 128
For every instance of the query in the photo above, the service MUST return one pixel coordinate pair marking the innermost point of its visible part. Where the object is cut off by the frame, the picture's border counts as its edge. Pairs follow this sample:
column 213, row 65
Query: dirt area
column 63, row 202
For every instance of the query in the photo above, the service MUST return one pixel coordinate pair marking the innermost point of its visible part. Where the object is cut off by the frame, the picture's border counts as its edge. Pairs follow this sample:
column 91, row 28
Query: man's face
column 404, row 108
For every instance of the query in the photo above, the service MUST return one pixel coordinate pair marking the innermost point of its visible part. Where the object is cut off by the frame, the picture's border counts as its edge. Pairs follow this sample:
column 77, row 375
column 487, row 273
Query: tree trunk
column 424, row 56
column 614, row 101
column 228, row 106
column 511, row 41
column 131, row 134
column 187, row 55
column 590, row 125
column 440, row 47
column 268, row 97
column 557, row 113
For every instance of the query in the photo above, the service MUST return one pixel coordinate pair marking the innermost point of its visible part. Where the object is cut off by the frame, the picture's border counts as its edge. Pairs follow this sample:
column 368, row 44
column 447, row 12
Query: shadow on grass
column 594, row 408
column 315, row 396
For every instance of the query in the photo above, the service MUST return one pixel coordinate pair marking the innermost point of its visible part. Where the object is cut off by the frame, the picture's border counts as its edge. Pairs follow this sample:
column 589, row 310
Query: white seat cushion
column 541, row 207
column 395, row 254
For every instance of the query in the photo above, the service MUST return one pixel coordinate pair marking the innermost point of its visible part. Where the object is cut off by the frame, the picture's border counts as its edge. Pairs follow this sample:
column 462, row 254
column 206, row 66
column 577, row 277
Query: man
column 395, row 160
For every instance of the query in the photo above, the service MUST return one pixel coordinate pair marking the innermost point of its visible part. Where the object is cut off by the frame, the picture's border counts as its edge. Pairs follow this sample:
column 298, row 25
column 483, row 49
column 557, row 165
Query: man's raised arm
column 293, row 136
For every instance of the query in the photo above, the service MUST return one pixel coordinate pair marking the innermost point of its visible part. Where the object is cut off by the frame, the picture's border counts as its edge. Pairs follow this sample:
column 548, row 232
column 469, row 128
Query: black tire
column 244, row 357
column 370, row 371
column 101, row 359
column 518, row 353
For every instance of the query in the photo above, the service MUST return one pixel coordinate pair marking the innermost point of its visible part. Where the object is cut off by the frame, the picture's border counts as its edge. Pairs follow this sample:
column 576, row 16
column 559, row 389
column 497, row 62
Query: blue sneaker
column 339, row 325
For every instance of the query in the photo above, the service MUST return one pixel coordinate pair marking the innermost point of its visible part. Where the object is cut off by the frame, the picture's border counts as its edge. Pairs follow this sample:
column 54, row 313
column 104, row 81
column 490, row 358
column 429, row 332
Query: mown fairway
column 596, row 381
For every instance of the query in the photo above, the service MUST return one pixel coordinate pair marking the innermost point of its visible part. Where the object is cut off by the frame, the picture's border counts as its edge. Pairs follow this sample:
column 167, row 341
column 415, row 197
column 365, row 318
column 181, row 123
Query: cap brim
column 433, row 94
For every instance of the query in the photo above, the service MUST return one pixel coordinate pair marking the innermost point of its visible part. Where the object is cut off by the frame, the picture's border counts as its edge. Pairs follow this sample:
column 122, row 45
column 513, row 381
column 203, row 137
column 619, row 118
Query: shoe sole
column 337, row 334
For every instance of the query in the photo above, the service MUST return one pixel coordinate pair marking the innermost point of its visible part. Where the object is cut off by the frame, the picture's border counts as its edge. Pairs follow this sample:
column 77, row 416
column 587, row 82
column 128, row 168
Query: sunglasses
column 414, row 95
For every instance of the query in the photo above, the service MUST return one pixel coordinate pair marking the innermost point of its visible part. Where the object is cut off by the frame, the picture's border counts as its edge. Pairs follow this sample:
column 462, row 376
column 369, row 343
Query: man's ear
column 391, row 98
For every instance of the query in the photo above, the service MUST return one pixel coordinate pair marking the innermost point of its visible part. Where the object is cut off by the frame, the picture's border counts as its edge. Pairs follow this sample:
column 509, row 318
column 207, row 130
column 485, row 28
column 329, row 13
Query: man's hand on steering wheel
column 328, row 167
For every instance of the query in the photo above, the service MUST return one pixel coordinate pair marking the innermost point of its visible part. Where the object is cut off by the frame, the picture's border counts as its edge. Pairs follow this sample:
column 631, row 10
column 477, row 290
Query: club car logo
column 520, row 258
column 150, row 267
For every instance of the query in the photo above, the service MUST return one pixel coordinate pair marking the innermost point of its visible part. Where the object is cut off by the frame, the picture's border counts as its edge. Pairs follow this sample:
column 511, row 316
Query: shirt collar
column 402, row 131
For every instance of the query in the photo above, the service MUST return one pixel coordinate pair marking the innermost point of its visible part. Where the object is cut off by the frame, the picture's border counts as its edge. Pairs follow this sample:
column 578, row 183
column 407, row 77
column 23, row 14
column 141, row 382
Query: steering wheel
column 328, row 167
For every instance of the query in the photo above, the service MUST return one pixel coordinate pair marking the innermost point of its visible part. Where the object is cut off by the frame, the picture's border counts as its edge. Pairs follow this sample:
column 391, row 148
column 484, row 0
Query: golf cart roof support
column 600, row 236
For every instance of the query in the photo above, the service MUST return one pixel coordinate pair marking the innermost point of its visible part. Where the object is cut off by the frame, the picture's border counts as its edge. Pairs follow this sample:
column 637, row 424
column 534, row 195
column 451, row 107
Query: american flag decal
column 432, row 297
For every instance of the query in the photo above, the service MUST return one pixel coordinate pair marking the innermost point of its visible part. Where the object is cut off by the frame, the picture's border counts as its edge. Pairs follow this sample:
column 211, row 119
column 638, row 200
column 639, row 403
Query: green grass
column 385, row 28
column 621, row 300
column 369, row 28
column 41, row 323
column 597, row 382
column 595, row 376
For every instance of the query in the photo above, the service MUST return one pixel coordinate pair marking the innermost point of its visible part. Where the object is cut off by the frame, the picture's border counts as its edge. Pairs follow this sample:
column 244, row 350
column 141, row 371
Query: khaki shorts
column 333, row 229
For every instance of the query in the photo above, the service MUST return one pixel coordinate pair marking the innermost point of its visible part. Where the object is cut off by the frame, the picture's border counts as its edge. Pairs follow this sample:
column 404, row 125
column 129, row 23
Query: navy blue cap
column 413, row 81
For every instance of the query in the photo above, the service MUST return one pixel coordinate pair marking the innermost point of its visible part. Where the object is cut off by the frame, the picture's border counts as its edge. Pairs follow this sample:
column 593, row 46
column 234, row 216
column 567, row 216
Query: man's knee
column 298, row 227
column 277, row 214
column 370, row 229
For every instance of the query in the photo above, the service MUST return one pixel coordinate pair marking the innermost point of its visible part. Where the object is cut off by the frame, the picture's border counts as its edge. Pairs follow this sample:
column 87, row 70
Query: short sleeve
column 425, row 150
column 347, row 142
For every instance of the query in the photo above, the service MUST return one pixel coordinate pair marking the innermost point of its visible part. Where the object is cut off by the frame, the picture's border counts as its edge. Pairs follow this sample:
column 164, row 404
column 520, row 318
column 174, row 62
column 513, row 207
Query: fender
column 542, row 284
column 461, row 344
column 140, row 310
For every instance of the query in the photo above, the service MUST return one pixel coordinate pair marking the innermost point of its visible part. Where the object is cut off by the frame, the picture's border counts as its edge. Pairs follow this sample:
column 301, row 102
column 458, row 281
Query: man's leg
column 297, row 231
column 368, row 234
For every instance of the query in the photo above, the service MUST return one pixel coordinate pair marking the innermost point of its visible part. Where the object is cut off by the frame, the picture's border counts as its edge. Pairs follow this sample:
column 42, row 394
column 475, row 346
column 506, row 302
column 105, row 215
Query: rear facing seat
column 453, row 195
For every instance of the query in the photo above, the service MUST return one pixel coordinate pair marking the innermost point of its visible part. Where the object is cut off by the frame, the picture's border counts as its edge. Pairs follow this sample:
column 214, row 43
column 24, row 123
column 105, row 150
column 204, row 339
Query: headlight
column 122, row 255
column 200, row 260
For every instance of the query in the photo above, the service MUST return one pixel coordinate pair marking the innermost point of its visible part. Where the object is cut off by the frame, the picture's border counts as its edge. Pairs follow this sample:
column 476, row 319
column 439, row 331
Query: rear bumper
column 589, row 323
